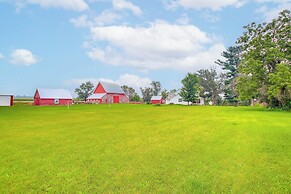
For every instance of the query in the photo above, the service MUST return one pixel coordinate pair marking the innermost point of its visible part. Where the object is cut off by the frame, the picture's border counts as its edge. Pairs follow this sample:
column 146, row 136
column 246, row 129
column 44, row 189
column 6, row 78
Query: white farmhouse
column 177, row 99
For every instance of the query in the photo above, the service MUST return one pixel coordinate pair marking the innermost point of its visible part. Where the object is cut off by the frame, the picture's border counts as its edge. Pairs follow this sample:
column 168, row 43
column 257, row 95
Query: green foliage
column 265, row 46
column 84, row 90
column 129, row 91
column 165, row 94
column 210, row 85
column 147, row 94
column 280, row 88
column 251, row 80
column 190, row 90
column 144, row 149
column 135, row 98
column 232, row 59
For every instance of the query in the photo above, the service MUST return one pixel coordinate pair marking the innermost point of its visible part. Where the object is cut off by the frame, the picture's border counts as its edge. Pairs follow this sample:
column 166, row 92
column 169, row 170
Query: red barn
column 52, row 97
column 157, row 100
column 107, row 92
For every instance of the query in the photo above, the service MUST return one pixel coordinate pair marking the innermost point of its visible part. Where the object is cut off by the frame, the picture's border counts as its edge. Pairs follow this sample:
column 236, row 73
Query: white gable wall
column 5, row 100
column 177, row 100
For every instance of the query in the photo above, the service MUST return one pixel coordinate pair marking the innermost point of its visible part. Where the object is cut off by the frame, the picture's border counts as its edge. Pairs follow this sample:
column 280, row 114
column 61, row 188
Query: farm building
column 6, row 100
column 52, row 97
column 177, row 99
column 157, row 100
column 107, row 92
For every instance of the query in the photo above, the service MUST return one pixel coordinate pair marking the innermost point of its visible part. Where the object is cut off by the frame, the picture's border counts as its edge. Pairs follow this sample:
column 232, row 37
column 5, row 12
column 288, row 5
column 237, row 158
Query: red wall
column 11, row 101
column 39, row 102
column 108, row 98
column 157, row 101
column 99, row 89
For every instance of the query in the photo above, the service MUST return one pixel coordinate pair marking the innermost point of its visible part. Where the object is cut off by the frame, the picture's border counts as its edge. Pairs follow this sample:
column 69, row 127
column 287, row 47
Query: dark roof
column 54, row 93
column 96, row 96
column 112, row 87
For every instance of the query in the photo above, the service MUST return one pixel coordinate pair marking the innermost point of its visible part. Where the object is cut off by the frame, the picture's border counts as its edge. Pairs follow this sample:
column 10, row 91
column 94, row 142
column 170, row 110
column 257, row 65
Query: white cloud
column 126, row 5
column 105, row 18
column 134, row 81
column 270, row 13
column 76, row 5
column 1, row 56
column 23, row 57
column 204, row 4
column 158, row 46
column 81, row 21
column 131, row 80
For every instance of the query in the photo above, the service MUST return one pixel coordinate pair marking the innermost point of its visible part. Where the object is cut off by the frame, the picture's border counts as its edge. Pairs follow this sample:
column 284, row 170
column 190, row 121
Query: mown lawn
column 144, row 149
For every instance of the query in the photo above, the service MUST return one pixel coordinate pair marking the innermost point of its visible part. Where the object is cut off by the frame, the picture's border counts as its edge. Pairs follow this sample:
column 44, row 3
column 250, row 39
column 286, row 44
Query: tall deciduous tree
column 265, row 46
column 190, row 90
column 156, row 86
column 129, row 91
column 84, row 90
column 209, row 85
column 147, row 94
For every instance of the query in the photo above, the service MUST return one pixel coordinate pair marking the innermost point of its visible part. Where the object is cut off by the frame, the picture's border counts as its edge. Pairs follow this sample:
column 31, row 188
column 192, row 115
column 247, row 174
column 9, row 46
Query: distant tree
column 147, row 94
column 209, row 85
column 165, row 94
column 156, row 86
column 84, row 90
column 232, row 57
column 129, row 91
column 189, row 91
column 135, row 98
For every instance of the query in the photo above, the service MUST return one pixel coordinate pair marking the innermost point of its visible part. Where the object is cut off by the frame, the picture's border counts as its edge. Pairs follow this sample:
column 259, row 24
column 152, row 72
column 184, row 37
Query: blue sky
column 60, row 44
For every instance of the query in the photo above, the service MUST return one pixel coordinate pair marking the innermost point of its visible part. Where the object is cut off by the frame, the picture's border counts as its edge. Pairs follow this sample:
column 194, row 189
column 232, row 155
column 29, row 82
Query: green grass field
column 144, row 149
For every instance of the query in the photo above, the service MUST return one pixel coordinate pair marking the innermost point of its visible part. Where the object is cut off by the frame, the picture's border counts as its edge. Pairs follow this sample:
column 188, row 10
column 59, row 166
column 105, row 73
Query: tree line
column 257, row 68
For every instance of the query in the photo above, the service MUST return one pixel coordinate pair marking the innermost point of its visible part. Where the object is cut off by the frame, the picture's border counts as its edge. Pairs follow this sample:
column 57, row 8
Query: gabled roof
column 96, row 96
column 54, row 93
column 112, row 87
column 157, row 98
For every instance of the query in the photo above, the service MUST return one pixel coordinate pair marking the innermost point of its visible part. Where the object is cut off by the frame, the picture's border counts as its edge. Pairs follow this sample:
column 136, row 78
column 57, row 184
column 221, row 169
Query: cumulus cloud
column 131, row 80
column 75, row 5
column 203, row 4
column 23, row 57
column 126, row 5
column 159, row 46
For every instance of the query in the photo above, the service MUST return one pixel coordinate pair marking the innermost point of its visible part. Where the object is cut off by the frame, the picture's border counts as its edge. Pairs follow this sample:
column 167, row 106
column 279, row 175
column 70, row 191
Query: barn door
column 115, row 99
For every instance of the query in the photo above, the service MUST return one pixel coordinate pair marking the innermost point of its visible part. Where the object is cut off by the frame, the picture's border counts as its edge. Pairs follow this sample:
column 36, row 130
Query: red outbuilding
column 157, row 100
column 52, row 97
column 107, row 92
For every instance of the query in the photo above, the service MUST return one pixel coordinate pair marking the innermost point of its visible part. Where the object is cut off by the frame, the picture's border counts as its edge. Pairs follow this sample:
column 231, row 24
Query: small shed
column 157, row 100
column 6, row 100
column 52, row 97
